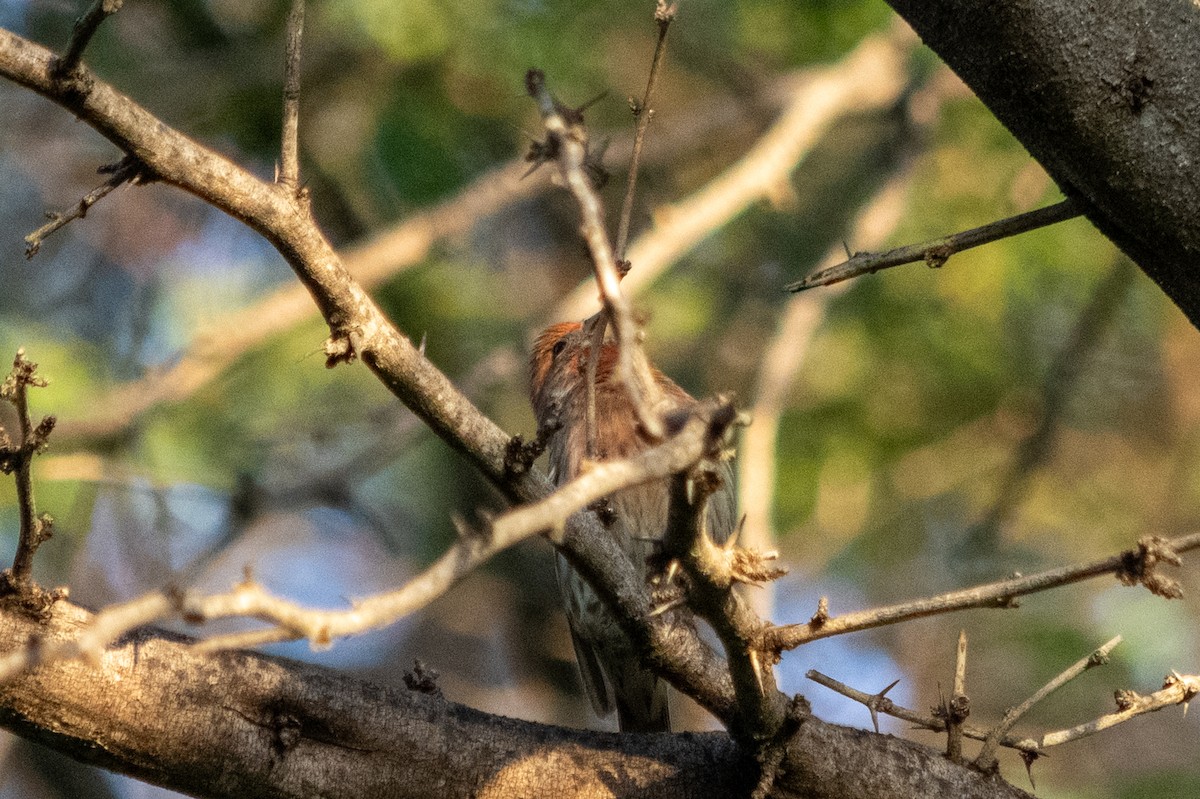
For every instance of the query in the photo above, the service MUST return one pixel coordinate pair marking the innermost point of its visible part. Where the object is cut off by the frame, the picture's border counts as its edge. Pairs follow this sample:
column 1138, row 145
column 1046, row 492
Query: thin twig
column 879, row 703
column 664, row 15
column 870, row 77
column 128, row 169
column 936, row 252
column 567, row 144
column 986, row 760
column 960, row 706
column 1178, row 689
column 85, row 27
column 17, row 457
column 289, row 169
column 1131, row 566
column 700, row 437
column 599, row 326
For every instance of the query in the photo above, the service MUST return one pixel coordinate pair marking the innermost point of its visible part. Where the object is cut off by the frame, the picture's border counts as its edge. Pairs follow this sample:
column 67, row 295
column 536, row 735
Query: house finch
column 610, row 669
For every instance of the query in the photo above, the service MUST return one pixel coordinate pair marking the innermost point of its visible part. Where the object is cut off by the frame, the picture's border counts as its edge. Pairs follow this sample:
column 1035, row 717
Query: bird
column 611, row 672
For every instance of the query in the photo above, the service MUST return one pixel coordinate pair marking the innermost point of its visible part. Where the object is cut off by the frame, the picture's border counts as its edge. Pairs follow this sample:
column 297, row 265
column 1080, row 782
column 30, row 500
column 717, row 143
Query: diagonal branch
column 986, row 761
column 566, row 143
column 936, row 252
column 664, row 15
column 127, row 170
column 81, row 35
column 1134, row 566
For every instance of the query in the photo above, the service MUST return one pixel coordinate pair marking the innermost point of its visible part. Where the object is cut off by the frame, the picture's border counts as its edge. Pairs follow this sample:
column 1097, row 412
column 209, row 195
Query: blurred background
column 1032, row 404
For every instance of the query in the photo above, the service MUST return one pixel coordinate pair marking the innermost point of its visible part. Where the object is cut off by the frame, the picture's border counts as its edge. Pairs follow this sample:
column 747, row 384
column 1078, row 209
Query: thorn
column 1029, row 756
column 421, row 348
column 756, row 664
column 665, row 606
column 875, row 701
column 672, row 570
column 822, row 614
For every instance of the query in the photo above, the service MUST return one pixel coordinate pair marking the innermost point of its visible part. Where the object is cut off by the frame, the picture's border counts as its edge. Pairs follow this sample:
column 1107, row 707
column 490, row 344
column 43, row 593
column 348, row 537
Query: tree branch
column 127, row 170
column 664, row 15
column 567, row 144
column 936, row 252
column 986, row 760
column 17, row 457
column 285, row 729
column 81, row 35
column 1132, row 567
column 1103, row 95
column 289, row 169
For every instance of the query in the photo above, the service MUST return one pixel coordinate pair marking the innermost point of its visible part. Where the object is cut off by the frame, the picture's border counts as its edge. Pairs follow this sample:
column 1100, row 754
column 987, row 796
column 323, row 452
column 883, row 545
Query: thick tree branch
column 284, row 729
column 1104, row 96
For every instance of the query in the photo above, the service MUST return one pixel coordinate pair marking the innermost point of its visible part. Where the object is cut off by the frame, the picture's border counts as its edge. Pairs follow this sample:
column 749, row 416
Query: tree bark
column 1104, row 95
column 248, row 725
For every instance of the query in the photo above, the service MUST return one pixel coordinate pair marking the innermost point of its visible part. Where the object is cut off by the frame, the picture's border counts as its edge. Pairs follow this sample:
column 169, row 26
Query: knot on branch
column 73, row 79
column 1126, row 698
column 344, row 346
column 754, row 567
column 1189, row 683
column 561, row 122
column 822, row 615
column 422, row 679
column 1140, row 566
column 936, row 257
column 520, row 454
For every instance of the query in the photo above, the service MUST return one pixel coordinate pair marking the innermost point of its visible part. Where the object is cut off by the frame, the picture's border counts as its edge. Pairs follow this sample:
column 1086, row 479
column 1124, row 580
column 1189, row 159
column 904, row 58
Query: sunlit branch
column 566, row 144
column 1135, row 566
column 987, row 755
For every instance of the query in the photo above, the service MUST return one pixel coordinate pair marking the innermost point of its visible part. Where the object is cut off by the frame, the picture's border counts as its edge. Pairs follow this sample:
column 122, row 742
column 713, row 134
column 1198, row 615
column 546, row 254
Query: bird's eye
column 558, row 347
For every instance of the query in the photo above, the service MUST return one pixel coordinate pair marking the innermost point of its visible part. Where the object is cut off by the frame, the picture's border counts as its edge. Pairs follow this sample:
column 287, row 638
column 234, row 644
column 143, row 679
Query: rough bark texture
column 240, row 724
column 1104, row 95
column 247, row 725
